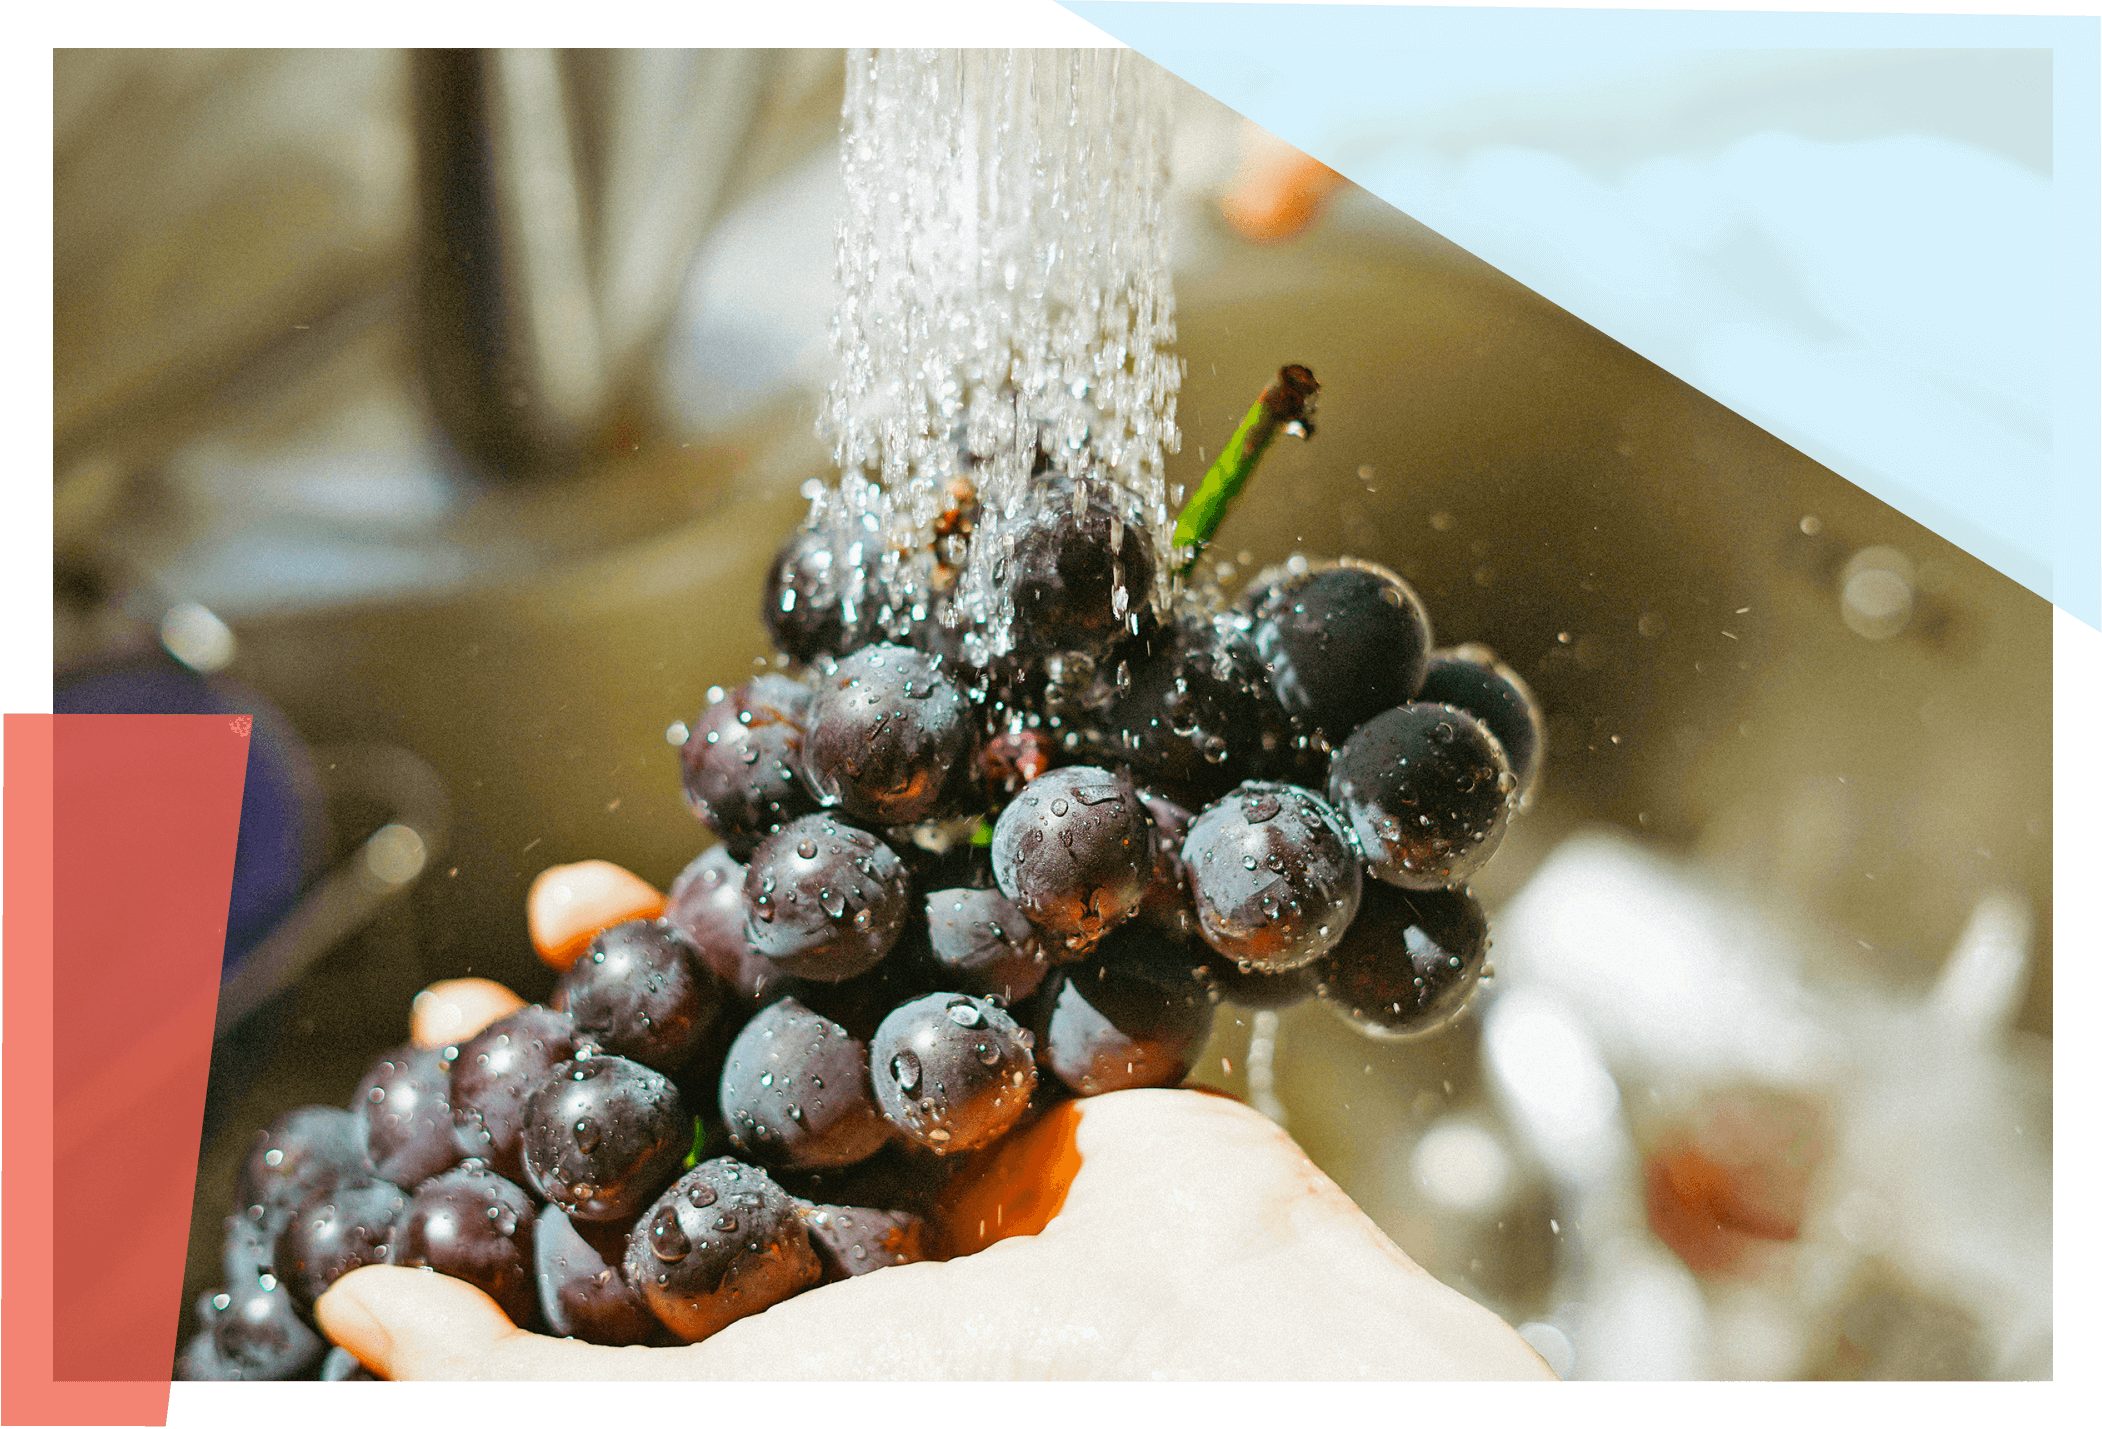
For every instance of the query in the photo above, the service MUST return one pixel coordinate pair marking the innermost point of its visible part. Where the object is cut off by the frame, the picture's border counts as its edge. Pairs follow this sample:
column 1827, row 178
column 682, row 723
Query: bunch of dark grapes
column 942, row 898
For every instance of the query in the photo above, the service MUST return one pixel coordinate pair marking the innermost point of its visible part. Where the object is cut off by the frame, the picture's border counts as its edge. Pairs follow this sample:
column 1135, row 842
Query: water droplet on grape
column 667, row 1240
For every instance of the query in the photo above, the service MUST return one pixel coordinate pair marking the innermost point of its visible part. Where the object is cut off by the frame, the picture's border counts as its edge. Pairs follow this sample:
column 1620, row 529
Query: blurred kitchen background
column 444, row 409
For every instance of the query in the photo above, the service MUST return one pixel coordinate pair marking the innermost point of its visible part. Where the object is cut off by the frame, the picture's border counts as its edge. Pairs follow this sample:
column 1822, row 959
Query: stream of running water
column 1005, row 319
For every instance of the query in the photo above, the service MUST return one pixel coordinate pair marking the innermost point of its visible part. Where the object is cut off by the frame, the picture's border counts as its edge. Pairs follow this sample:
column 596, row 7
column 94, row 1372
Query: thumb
column 408, row 1323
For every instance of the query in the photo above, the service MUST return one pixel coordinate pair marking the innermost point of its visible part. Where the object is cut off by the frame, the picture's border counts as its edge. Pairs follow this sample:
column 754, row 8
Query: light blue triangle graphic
column 1877, row 236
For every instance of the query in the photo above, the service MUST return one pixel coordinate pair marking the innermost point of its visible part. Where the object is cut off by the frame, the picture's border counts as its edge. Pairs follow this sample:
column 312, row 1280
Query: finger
column 454, row 1010
column 1279, row 192
column 571, row 902
column 408, row 1323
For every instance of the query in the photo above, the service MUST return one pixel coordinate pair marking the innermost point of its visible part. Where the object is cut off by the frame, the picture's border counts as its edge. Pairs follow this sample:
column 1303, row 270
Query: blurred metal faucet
column 561, row 199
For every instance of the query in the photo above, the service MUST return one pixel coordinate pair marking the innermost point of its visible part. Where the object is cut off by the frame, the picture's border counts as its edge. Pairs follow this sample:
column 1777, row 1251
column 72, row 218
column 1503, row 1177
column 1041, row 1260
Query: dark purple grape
column 250, row 1333
column 340, row 1364
column 861, row 1002
column 706, row 903
column 983, row 944
column 1273, row 876
column 302, row 1151
column 603, row 1136
column 1133, row 1015
column 641, row 991
column 1166, row 908
column 495, row 1071
column 1074, row 852
column 1077, row 580
column 889, row 734
column 722, row 1243
column 1190, row 704
column 1408, row 963
column 583, row 1295
column 249, row 1247
column 1427, row 791
column 824, row 899
column 1471, row 678
column 802, row 606
column 475, row 1226
column 853, row 1240
column 795, row 1091
column 406, row 1100
column 739, row 761
column 335, row 1231
column 199, row 1361
column 951, row 1071
column 1341, row 642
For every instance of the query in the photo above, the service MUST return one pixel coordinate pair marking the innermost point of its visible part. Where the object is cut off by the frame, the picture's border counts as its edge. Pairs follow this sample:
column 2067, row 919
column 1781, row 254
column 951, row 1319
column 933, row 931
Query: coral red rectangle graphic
column 120, row 848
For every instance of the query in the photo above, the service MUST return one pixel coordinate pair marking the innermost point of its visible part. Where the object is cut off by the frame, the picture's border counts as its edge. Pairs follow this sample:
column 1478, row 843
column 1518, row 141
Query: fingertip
column 571, row 902
column 1279, row 193
column 408, row 1323
column 454, row 1010
column 348, row 1321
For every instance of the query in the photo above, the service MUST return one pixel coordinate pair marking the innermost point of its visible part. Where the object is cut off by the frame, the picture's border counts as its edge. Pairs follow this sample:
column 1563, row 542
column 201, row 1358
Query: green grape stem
column 1287, row 404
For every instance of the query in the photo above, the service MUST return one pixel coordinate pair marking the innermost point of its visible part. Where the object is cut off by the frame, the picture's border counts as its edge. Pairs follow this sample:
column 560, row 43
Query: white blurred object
column 197, row 637
column 1461, row 1165
column 1667, row 977
column 1558, row 1089
column 1552, row 1345
column 1635, row 1312
column 1981, row 984
column 1876, row 592
column 1642, row 1318
column 1935, row 1195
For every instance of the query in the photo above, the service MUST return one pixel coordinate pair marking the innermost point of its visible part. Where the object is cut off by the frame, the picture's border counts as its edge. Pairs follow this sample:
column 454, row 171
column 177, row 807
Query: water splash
column 1005, row 321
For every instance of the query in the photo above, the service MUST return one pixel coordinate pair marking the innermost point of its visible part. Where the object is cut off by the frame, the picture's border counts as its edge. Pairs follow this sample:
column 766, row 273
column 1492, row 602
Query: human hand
column 1155, row 1233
